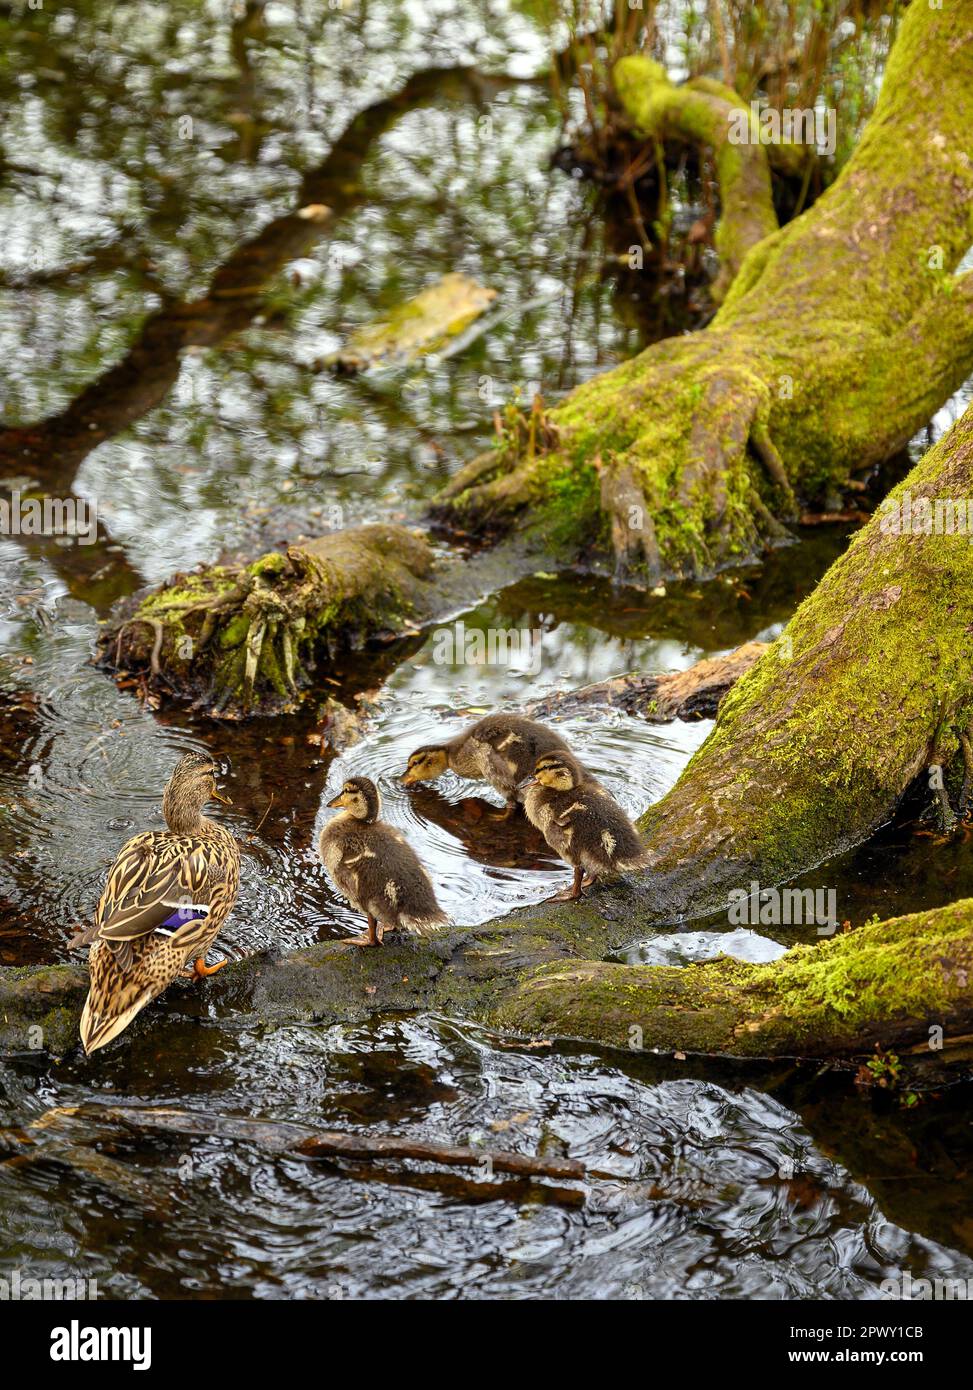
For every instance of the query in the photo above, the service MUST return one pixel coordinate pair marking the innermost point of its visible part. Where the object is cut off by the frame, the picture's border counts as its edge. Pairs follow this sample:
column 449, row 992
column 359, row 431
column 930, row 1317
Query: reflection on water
column 117, row 220
column 715, row 1188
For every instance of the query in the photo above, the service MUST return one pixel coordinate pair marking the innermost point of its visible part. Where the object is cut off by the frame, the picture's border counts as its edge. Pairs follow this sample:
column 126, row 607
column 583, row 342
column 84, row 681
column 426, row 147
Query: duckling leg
column 373, row 937
column 570, row 895
column 509, row 810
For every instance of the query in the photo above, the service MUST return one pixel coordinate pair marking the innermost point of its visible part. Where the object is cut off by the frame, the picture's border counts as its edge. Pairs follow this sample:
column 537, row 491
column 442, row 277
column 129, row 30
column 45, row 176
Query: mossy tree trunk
column 870, row 685
column 898, row 984
column 840, row 336
column 700, row 112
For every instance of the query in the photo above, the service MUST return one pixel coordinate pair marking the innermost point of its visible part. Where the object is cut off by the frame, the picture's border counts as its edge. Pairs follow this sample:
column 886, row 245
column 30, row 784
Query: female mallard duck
column 374, row 867
column 166, row 897
column 501, row 749
column 581, row 821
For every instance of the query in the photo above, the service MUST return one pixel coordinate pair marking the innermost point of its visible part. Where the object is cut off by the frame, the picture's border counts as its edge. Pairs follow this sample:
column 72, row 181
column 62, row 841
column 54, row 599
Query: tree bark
column 841, row 335
column 537, row 974
column 870, row 684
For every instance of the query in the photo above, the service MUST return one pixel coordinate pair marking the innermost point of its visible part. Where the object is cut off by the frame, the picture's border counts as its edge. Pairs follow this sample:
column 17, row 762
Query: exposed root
column 767, row 453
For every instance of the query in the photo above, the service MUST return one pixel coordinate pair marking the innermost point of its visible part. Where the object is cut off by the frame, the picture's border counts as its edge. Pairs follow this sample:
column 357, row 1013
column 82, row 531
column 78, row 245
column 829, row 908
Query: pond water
column 145, row 145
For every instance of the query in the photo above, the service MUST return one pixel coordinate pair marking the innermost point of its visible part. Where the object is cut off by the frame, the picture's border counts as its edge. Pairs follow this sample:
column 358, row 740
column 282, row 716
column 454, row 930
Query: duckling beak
column 338, row 800
column 408, row 778
column 527, row 782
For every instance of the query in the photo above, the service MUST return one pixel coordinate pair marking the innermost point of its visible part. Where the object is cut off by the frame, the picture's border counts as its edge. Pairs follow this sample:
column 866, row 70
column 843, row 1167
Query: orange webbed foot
column 201, row 970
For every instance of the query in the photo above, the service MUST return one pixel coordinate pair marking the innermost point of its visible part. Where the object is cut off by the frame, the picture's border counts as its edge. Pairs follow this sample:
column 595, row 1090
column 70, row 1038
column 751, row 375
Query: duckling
column 581, row 821
column 501, row 749
column 165, row 899
column 375, row 868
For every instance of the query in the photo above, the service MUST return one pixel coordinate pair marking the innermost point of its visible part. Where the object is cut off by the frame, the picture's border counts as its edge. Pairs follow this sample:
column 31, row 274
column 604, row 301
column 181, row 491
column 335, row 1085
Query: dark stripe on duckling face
column 425, row 765
column 557, row 771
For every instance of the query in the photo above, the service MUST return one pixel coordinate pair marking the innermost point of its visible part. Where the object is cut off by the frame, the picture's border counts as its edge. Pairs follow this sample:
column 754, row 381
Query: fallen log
column 900, row 985
column 869, row 688
column 691, row 694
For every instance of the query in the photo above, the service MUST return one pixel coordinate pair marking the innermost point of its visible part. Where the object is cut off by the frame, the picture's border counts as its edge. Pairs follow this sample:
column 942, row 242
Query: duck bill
column 408, row 778
column 223, row 798
column 338, row 800
column 527, row 783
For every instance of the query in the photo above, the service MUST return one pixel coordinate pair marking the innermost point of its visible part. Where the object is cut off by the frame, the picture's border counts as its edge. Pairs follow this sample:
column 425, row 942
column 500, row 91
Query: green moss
column 269, row 565
column 838, row 344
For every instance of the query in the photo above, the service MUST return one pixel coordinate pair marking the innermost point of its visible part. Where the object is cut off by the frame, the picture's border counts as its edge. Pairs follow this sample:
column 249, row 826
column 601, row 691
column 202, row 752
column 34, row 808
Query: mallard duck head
column 191, row 786
column 426, row 764
column 561, row 771
column 359, row 797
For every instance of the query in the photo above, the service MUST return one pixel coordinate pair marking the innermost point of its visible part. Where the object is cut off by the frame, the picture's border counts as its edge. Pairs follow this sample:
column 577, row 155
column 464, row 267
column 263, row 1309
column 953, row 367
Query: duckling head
column 425, row 764
column 359, row 797
column 561, row 771
column 191, row 786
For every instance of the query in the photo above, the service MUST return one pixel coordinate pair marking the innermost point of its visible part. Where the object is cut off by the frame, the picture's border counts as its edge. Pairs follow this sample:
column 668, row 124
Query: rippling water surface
column 714, row 1181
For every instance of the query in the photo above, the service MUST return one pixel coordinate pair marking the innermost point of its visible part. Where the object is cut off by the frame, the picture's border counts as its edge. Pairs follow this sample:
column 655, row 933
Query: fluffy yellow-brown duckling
column 165, row 899
column 501, row 749
column 375, row 867
column 581, row 821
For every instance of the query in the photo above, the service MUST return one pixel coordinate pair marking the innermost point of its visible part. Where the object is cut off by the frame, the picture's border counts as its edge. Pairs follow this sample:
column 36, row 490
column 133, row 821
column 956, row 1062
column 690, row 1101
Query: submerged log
column 281, row 1136
column 421, row 326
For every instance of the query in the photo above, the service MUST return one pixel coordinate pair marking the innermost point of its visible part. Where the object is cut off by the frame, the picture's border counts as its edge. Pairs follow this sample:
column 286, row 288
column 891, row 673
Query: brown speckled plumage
column 500, row 749
column 375, row 867
column 193, row 864
column 580, row 820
